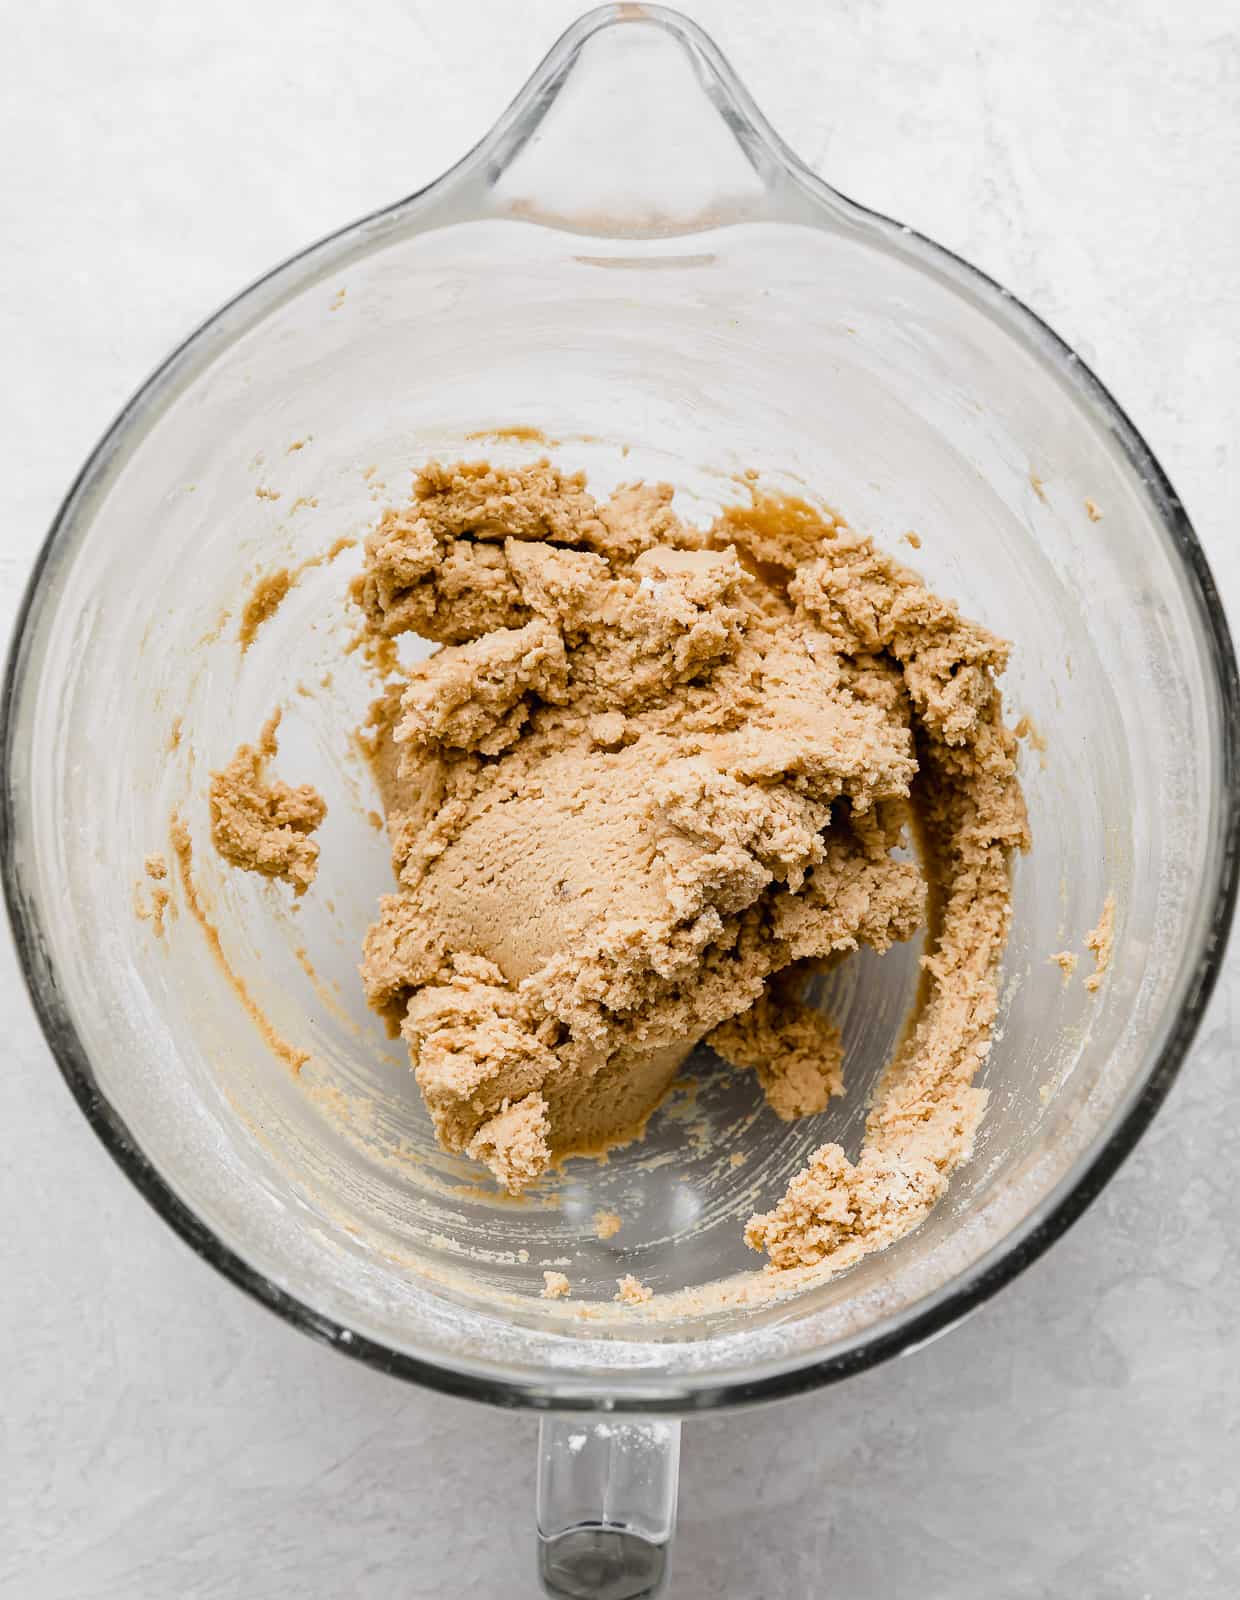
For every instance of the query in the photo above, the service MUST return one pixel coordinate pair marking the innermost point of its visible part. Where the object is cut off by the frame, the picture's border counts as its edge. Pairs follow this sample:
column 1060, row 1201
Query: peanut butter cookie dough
column 261, row 824
column 654, row 776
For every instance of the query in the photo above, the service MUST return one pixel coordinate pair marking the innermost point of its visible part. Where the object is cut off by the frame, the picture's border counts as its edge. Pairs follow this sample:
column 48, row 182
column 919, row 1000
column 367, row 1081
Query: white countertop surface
column 161, row 1435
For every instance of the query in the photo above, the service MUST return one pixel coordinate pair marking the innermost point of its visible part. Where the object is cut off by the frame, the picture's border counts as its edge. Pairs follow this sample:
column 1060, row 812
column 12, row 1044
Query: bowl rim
column 634, row 1391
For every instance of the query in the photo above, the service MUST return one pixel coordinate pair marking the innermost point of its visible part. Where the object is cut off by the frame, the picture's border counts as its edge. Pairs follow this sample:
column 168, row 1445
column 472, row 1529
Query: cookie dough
column 654, row 775
column 795, row 1050
column 631, row 1291
column 261, row 824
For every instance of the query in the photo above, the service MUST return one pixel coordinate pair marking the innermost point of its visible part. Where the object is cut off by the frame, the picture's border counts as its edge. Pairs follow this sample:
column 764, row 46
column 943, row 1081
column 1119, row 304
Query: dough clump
column 261, row 824
column 654, row 776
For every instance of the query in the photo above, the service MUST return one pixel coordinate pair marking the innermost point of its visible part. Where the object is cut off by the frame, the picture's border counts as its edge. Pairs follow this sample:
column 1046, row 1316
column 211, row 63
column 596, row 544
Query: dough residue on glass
column 1101, row 942
column 272, row 588
column 183, row 853
column 607, row 1224
column 152, row 898
column 654, row 777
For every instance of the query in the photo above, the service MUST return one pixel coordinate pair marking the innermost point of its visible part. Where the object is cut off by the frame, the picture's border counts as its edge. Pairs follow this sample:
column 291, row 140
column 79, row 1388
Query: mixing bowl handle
column 606, row 1506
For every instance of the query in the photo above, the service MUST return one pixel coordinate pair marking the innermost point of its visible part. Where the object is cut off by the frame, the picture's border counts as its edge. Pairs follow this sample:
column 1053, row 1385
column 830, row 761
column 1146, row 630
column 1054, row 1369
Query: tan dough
column 794, row 1049
column 631, row 1291
column 263, row 825
column 651, row 768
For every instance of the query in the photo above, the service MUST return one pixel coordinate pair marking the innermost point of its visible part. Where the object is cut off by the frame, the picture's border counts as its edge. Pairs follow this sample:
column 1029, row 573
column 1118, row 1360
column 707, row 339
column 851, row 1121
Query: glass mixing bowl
column 633, row 266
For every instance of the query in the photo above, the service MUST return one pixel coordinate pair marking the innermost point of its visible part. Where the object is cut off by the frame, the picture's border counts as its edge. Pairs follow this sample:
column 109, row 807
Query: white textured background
column 164, row 1437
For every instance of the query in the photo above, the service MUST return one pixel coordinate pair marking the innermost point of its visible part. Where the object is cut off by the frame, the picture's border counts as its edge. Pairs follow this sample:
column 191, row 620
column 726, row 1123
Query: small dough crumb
column 1066, row 961
column 737, row 1158
column 160, row 902
column 607, row 1224
column 261, row 824
column 1093, row 510
column 631, row 1291
column 267, row 494
column 913, row 540
column 555, row 1286
column 1101, row 940
column 1038, row 487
